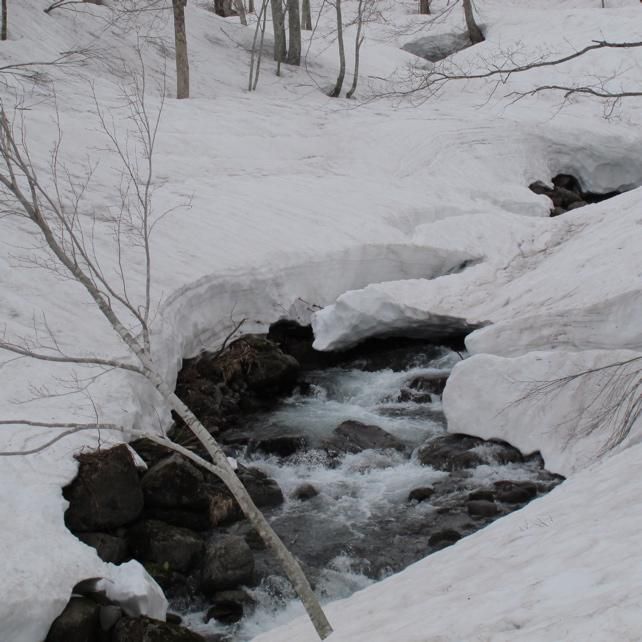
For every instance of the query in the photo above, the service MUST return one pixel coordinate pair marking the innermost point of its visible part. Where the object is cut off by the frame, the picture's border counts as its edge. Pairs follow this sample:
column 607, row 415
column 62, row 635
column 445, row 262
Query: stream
column 347, row 516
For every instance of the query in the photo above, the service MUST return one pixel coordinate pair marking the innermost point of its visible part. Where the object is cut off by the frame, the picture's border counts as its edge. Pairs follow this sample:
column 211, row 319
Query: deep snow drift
column 295, row 199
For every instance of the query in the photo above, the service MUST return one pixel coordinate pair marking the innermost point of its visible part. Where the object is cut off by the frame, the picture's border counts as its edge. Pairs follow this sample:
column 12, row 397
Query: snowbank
column 295, row 199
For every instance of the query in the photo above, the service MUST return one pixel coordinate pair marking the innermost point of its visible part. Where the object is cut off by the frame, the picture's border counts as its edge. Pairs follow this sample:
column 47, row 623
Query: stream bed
column 355, row 515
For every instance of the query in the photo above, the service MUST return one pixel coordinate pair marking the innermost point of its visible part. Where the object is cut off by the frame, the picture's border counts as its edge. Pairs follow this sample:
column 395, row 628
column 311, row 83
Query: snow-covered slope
column 295, row 199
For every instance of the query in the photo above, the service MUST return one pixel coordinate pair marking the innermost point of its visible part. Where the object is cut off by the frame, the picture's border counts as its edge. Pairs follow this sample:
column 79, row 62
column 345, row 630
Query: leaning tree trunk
column 278, row 24
column 424, row 6
column 180, row 38
column 4, row 20
column 306, row 16
column 474, row 32
column 336, row 92
column 294, row 29
column 221, row 467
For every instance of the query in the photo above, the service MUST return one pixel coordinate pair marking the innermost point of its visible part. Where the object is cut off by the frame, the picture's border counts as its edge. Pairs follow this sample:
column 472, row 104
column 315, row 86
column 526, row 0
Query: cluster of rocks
column 184, row 526
column 166, row 517
column 566, row 194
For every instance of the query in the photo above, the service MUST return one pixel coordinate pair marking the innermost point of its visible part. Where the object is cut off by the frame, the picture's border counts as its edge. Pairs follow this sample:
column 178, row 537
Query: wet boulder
column 446, row 537
column 421, row 494
column 279, row 445
column 354, row 437
column 106, row 492
column 450, row 452
column 482, row 508
column 229, row 606
column 483, row 494
column 144, row 629
column 228, row 564
column 79, row 622
column 174, row 482
column 110, row 548
column 175, row 548
column 260, row 365
column 430, row 383
column 515, row 492
column 305, row 492
column 224, row 509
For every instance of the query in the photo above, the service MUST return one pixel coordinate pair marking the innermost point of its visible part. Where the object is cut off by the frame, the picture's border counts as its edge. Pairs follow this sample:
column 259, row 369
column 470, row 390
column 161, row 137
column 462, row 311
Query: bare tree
column 67, row 234
column 294, row 28
column 180, row 38
column 358, row 41
column 474, row 32
column 240, row 9
column 278, row 25
column 424, row 6
column 257, row 52
column 5, row 19
column 306, row 15
column 336, row 91
column 427, row 82
column 614, row 410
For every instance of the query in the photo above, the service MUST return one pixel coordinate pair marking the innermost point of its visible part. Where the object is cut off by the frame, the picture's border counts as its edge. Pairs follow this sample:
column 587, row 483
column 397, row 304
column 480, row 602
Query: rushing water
column 360, row 527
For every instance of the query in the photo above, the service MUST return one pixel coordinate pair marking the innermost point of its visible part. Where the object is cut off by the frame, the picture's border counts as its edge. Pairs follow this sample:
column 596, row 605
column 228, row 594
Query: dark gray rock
column 486, row 495
column 279, row 445
column 305, row 492
column 563, row 197
column 228, row 606
column 109, row 615
column 106, row 492
column 178, row 549
column 225, row 611
column 79, row 622
column 260, row 365
column 482, row 508
column 515, row 492
column 228, row 564
column 421, row 494
column 502, row 452
column 567, row 181
column 144, row 629
column 223, row 508
column 197, row 519
column 539, row 187
column 576, row 204
column 450, row 452
column 149, row 451
column 432, row 383
column 174, row 482
column 354, row 436
column 109, row 547
column 438, row 46
column 444, row 538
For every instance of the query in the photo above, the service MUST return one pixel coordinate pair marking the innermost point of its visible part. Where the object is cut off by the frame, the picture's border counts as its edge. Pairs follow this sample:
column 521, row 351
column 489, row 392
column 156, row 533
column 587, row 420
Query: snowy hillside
column 382, row 212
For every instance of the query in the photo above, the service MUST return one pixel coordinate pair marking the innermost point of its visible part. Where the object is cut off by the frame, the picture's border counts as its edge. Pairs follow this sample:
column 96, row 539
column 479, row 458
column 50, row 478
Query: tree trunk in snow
column 4, row 20
column 336, row 92
column 278, row 24
column 358, row 41
column 294, row 28
column 180, row 38
column 424, row 6
column 240, row 9
column 474, row 32
column 250, row 6
column 306, row 16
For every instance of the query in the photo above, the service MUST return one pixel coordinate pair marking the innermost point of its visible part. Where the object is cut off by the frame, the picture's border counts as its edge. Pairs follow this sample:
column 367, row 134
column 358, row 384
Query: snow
column 383, row 213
